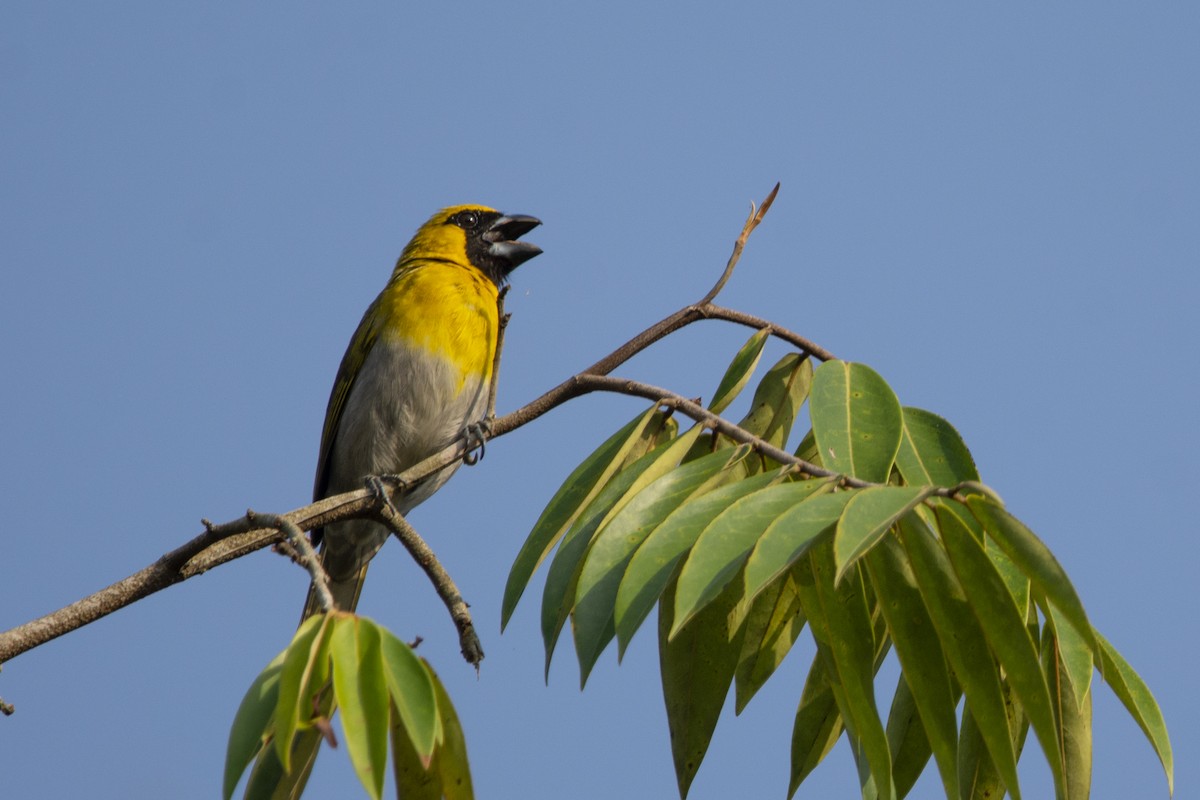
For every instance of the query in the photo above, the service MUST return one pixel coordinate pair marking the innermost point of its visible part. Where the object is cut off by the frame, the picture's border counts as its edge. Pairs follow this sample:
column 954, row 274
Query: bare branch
column 751, row 223
column 421, row 552
column 303, row 554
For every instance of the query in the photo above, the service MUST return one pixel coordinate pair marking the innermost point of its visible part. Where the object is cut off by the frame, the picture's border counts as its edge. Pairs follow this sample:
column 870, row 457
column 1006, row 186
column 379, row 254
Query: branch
column 222, row 543
column 472, row 650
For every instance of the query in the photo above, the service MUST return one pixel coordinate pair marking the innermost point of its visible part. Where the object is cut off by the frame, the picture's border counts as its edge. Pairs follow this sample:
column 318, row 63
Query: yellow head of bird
column 477, row 235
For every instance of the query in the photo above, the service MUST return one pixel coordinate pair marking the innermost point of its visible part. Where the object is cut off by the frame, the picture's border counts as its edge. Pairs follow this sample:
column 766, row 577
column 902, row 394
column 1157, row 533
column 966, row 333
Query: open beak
column 502, row 237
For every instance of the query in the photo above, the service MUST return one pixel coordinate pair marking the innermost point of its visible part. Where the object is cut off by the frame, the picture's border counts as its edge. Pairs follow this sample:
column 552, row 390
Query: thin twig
column 306, row 556
column 421, row 552
column 756, row 216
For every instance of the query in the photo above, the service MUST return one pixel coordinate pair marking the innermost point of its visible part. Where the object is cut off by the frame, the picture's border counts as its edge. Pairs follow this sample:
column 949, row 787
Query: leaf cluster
column 386, row 693
column 877, row 537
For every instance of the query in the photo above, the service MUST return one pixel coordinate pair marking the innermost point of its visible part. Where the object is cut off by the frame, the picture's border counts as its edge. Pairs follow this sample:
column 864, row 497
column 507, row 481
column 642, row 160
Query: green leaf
column 1035, row 560
column 410, row 686
column 448, row 774
column 931, row 451
column 978, row 778
column 773, row 622
column 778, row 399
column 740, row 369
column 250, row 723
column 856, row 420
column 614, row 545
column 697, row 667
column 1135, row 695
column 580, row 487
column 725, row 543
column 1004, row 626
column 926, row 678
column 1014, row 578
column 304, row 656
column 558, row 596
column 1072, row 718
column 361, row 691
column 840, row 622
column 654, row 562
column 907, row 741
column 818, row 723
column 963, row 644
column 790, row 536
column 1074, row 656
column 868, row 517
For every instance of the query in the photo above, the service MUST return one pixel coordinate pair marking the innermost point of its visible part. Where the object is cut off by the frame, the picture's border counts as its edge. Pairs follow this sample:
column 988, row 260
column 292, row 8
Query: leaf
column 778, row 399
column 978, row 778
column 856, row 420
column 611, row 549
column 724, row 544
column 1073, row 720
column 580, row 487
column 1014, row 578
column 868, row 517
column 1035, row 560
column 818, row 723
column 250, row 724
column 697, row 667
column 1004, row 626
column 907, row 741
column 772, row 624
column 1135, row 695
column 448, row 774
column 790, row 536
column 739, row 371
column 558, row 596
column 931, row 451
column 963, row 643
column 920, row 654
column 1074, row 656
column 304, row 656
column 361, row 692
column 410, row 686
column 654, row 561
column 840, row 622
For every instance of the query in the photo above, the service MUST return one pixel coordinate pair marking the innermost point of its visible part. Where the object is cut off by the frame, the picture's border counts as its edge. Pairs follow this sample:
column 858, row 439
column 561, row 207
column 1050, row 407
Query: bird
column 415, row 377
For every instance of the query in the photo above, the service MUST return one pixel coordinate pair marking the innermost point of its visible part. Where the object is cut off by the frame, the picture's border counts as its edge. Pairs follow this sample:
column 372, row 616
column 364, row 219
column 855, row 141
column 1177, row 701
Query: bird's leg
column 476, row 435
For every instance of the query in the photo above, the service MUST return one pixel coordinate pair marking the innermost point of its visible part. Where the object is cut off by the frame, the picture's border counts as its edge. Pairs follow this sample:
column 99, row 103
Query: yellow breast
column 448, row 310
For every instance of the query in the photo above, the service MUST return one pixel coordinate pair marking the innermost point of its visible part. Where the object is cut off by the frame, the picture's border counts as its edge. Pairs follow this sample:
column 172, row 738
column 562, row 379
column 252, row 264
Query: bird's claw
column 375, row 485
column 476, row 436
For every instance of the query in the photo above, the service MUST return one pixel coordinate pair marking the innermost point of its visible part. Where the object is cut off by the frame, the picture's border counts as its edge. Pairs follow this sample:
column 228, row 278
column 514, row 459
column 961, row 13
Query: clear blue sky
column 995, row 206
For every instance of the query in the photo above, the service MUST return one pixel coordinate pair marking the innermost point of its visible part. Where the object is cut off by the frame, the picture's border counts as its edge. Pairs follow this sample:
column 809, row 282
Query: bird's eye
column 468, row 220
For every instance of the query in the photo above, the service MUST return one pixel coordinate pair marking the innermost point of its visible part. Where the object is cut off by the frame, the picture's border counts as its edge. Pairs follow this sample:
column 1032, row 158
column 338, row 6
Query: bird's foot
column 476, row 435
column 376, row 486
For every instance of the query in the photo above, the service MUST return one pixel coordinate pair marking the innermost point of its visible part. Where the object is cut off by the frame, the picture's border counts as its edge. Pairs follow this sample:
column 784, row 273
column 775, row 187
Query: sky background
column 995, row 206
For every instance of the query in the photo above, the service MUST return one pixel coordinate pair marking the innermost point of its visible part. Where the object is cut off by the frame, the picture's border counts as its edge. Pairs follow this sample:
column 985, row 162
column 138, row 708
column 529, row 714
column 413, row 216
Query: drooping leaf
column 725, row 543
column 738, row 374
column 907, row 741
column 773, row 621
column 840, row 621
column 447, row 774
column 1004, row 627
column 963, row 644
column 580, row 487
column 856, row 420
column 1014, row 578
column 818, row 723
column 251, row 724
column 931, row 451
column 304, row 657
column 654, row 561
column 410, row 685
column 361, row 691
column 614, row 544
column 1073, row 720
column 778, row 398
column 1135, row 695
column 1073, row 655
column 926, row 678
column 1035, row 560
column 558, row 596
column 869, row 515
column 698, row 664
column 978, row 777
column 790, row 536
